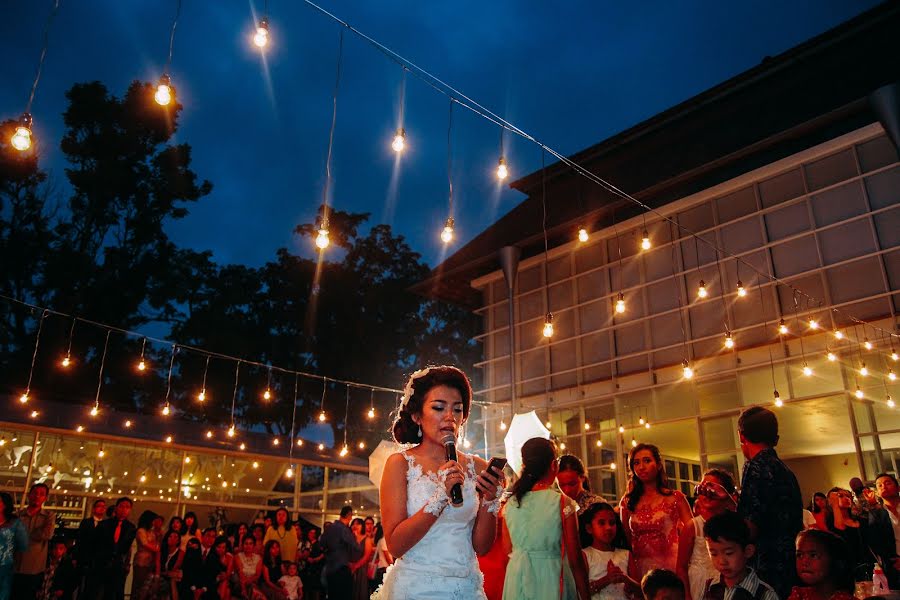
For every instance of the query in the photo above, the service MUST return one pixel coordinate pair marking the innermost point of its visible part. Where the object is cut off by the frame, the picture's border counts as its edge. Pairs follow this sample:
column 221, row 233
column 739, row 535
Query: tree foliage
column 99, row 250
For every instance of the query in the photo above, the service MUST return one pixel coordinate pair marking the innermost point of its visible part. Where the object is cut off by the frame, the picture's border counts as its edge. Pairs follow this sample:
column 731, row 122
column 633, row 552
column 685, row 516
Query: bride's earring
column 420, row 431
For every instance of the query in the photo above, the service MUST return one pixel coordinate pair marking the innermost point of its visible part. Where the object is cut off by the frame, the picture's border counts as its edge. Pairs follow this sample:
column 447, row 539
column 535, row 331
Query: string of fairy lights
column 165, row 93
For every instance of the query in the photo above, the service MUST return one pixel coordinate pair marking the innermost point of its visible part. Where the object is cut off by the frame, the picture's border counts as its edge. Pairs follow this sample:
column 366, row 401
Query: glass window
column 884, row 188
column 716, row 396
column 795, row 256
column 887, row 225
column 781, row 188
column 858, row 279
column 838, row 204
column 826, row 376
column 846, row 241
column 831, row 169
column 876, row 153
column 787, row 221
column 736, row 205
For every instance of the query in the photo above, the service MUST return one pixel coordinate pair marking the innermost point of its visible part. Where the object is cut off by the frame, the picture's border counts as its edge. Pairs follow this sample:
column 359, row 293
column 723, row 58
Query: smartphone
column 497, row 463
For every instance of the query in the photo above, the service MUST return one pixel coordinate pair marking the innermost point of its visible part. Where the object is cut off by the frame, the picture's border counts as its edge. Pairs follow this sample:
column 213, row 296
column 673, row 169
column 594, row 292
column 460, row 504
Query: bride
column 434, row 541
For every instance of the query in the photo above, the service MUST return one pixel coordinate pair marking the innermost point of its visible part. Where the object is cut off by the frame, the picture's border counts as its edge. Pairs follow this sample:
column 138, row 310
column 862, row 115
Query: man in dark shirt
column 112, row 561
column 341, row 548
column 85, row 543
column 771, row 501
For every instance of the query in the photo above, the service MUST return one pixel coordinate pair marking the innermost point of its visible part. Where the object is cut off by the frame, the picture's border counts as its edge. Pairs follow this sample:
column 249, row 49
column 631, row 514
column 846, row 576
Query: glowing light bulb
column 782, row 327
column 261, row 38
column 447, row 233
column 267, row 395
column 645, row 240
column 548, row 424
column 612, row 466
column 201, row 397
column 562, row 446
column 467, row 443
column 344, row 451
column 101, row 454
column 34, row 414
column 599, row 443
column 163, row 95
column 289, row 473
column 21, row 139
column 864, row 370
column 813, row 324
column 642, row 420
column 548, row 326
column 80, row 428
column 24, row 398
column 276, row 442
column 633, row 442
column 243, row 446
column 502, row 171
column 701, row 290
column 230, row 433
column 95, row 410
column 143, row 478
column 620, row 303
column 894, row 356
column 299, row 442
column 832, row 356
column 165, row 410
column 867, row 344
column 807, row 371
column 621, row 429
column 209, row 434
column 371, row 413
column 583, row 235
column 890, row 402
column 729, row 341
column 361, row 445
column 502, row 425
column 777, row 397
column 322, row 239
column 399, row 143
column 66, row 361
column 142, row 366
column 321, row 447
column 859, row 392
column 687, row 370
column 127, row 423
column 587, row 426
column 838, row 334
column 647, row 425
column 322, row 417
column 741, row 290
column 892, row 376
column 168, row 439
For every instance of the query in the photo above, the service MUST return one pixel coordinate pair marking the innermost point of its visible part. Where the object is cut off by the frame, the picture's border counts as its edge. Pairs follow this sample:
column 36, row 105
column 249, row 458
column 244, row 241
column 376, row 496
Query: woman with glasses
column 841, row 522
column 713, row 496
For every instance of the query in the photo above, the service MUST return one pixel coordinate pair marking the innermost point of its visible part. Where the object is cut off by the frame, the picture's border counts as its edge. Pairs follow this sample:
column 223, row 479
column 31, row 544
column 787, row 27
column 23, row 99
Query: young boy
column 291, row 583
column 660, row 584
column 728, row 543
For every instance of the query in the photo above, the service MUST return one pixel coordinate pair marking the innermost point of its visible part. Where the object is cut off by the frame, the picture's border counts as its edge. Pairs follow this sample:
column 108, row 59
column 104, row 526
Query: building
column 791, row 166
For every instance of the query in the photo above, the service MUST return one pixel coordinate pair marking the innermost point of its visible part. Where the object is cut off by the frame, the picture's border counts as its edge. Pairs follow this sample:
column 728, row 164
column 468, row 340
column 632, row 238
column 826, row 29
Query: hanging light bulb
column 620, row 303
column 741, row 290
column 267, row 395
column 502, row 171
column 864, row 370
column 321, row 447
column 777, row 398
column 163, row 95
column 645, row 240
column 399, row 143
column 562, row 445
column 201, row 397
column 362, row 445
column 587, row 426
column 261, row 39
column 209, row 434
column 231, row 432
column 647, row 425
column 101, row 453
column 701, row 290
column 832, row 356
column 289, row 473
column 95, row 410
column 168, row 439
column 548, row 325
column 894, row 355
column 322, row 240
column 891, row 375
column 867, row 344
column 165, row 410
column 371, row 413
column 813, row 324
column 782, row 327
column 502, row 425
column 641, row 420
column 80, row 428
column 21, row 138
column 838, row 334
column 127, row 423
column 599, row 443
column 729, row 340
column 583, row 235
column 890, row 402
column 687, row 370
column 24, row 398
column 807, row 370
column 859, row 392
column 612, row 466
column 66, row 361
column 276, row 442
column 142, row 365
column 633, row 442
column 344, row 451
column 447, row 233
column 322, row 416
column 243, row 446
column 621, row 429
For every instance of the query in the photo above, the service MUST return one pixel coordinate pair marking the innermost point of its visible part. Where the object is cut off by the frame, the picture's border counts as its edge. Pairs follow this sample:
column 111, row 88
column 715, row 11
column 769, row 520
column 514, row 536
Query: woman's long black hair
column 538, row 455
column 636, row 486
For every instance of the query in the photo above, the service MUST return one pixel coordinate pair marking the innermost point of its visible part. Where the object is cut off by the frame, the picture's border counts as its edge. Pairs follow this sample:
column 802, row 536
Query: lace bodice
column 654, row 531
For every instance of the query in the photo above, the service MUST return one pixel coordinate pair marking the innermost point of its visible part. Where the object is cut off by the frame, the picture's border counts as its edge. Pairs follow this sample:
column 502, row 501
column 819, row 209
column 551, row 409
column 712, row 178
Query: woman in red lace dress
column 652, row 513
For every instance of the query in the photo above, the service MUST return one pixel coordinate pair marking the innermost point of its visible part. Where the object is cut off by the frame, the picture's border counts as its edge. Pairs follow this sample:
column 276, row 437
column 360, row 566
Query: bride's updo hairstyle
column 404, row 429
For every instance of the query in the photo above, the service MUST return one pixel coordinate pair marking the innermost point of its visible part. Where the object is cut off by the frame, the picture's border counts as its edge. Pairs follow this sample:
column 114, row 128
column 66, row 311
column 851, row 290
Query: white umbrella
column 378, row 457
column 522, row 428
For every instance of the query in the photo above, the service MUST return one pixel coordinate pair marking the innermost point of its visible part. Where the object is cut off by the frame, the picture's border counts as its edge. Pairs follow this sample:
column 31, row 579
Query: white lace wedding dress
column 442, row 565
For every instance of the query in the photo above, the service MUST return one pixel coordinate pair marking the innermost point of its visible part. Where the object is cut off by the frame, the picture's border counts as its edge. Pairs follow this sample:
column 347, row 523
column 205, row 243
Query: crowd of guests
column 271, row 560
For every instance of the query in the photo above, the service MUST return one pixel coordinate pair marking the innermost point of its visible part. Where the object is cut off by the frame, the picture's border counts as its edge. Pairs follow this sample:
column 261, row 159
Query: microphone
column 456, row 497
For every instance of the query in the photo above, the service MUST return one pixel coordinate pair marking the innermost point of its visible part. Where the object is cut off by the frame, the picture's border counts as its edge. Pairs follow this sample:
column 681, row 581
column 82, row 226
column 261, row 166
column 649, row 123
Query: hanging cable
column 447, row 232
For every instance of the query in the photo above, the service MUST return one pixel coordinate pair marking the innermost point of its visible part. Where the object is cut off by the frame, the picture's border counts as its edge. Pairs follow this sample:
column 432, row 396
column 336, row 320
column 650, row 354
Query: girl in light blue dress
column 13, row 539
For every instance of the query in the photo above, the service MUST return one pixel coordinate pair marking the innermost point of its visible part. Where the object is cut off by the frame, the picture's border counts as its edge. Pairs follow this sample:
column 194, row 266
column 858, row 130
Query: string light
column 612, row 466
column 548, row 325
column 863, row 370
column 807, row 370
column 729, row 340
column 300, row 442
column 633, row 442
column 276, row 442
column 641, row 420
column 599, row 443
column 687, row 371
column 503, row 172
column 168, row 439
column 163, row 95
column 587, row 426
column 838, row 334
column 548, row 424
column 127, row 423
column 26, row 395
column 894, row 355
column 21, row 138
column 701, row 290
column 859, row 392
column 79, row 428
column 583, row 235
column 741, row 290
column 647, row 425
column 361, row 445
column 261, row 38
column 621, row 429
column 142, row 364
column 891, row 375
column 890, row 402
column 562, row 446
column 620, row 303
column 321, row 447
column 322, row 239
column 645, row 240
column 399, row 143
column 267, row 395
column 782, row 327
column 777, row 397
column 209, row 434
column 502, row 425
column 867, row 344
column 447, row 232
column 243, row 446
column 34, row 414
column 832, row 356
column 95, row 410
column 289, row 473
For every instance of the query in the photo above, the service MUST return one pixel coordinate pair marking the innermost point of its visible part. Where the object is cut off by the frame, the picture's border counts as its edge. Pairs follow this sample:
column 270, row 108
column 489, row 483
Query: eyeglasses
column 711, row 489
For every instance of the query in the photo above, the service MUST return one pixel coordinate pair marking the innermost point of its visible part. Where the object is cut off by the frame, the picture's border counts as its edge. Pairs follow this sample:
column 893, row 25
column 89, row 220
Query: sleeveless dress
column 654, row 535
column 442, row 565
column 700, row 567
column 597, row 561
column 536, row 561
